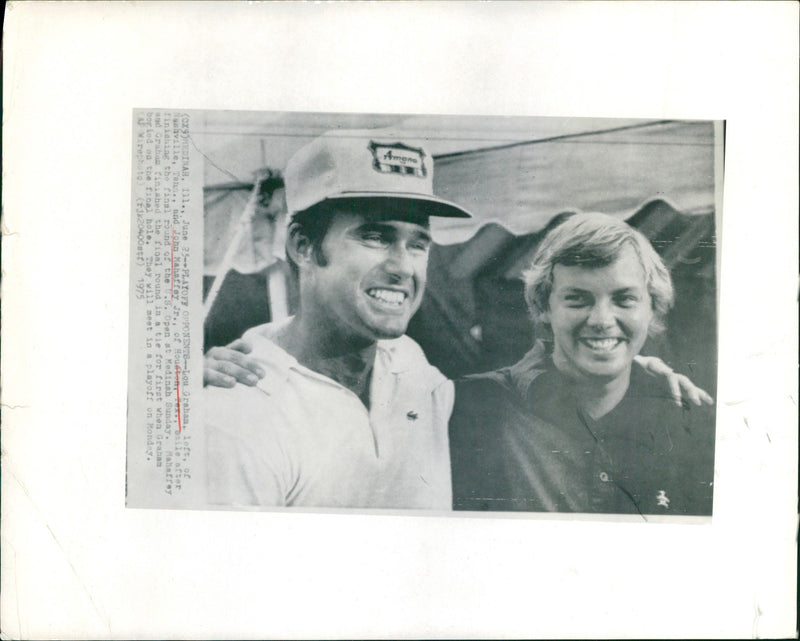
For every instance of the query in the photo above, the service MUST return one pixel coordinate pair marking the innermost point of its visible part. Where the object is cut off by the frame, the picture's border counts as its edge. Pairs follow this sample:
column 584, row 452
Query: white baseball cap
column 346, row 165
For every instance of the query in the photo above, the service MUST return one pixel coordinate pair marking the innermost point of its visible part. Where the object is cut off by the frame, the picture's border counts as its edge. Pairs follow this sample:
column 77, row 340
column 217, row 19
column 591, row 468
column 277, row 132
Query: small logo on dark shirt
column 662, row 499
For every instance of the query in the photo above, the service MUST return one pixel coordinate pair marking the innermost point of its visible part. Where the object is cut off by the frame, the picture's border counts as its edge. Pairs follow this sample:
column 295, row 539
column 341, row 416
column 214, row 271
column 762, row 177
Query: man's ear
column 298, row 245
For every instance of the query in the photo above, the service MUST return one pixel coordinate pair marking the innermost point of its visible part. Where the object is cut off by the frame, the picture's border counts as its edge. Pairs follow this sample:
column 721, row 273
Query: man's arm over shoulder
column 224, row 366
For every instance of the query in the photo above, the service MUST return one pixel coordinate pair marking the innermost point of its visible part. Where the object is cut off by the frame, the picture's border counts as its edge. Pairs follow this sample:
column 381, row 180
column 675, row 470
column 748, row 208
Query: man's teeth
column 388, row 296
column 601, row 343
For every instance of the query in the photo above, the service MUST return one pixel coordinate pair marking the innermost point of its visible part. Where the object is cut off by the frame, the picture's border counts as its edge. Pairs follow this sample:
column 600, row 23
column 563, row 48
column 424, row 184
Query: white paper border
column 77, row 564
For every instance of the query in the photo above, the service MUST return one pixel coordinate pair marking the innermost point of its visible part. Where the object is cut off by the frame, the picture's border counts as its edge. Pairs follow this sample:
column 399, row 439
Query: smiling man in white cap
column 350, row 412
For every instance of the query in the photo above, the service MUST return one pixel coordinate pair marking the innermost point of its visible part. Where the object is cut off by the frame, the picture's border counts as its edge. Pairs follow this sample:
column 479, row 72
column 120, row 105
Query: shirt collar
column 523, row 373
column 393, row 356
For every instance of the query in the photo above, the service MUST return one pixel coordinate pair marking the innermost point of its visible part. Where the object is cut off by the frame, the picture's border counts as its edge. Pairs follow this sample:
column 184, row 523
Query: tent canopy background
column 518, row 171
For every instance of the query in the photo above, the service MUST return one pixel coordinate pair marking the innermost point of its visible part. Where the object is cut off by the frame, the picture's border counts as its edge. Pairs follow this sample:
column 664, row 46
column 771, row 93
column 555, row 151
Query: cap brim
column 428, row 205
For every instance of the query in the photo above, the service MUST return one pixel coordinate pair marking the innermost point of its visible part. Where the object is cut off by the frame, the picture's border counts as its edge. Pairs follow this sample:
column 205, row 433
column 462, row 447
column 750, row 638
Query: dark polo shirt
column 519, row 442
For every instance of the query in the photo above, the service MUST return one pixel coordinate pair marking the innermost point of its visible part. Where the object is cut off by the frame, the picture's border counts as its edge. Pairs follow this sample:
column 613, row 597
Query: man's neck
column 598, row 399
column 595, row 396
column 347, row 360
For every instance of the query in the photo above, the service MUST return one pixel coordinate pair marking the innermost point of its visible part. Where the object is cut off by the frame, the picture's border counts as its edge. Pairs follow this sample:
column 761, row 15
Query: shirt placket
column 358, row 410
column 382, row 391
column 602, row 481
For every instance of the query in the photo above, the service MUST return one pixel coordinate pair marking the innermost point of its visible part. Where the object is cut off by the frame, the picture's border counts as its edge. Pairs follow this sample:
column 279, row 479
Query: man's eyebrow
column 424, row 235
column 373, row 226
column 386, row 228
column 574, row 288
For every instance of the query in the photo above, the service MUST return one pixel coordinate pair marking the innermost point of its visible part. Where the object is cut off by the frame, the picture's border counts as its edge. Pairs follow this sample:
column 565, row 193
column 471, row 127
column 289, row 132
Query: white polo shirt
column 300, row 438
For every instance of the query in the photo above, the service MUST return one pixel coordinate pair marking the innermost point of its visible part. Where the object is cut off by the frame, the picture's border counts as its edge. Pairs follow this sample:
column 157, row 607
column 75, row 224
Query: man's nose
column 601, row 314
column 400, row 262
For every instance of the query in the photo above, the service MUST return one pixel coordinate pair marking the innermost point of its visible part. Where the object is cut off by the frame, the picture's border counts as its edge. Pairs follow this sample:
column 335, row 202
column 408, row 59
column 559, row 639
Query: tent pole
column 276, row 287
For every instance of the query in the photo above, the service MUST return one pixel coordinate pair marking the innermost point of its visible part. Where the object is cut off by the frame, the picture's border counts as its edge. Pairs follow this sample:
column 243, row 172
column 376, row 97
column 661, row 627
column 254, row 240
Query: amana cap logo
column 398, row 158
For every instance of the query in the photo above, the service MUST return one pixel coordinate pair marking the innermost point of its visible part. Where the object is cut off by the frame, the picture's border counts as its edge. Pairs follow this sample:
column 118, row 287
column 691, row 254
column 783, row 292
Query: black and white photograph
column 406, row 320
column 421, row 312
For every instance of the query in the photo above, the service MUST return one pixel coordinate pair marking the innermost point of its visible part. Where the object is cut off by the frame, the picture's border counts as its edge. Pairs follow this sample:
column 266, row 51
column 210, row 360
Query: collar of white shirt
column 395, row 356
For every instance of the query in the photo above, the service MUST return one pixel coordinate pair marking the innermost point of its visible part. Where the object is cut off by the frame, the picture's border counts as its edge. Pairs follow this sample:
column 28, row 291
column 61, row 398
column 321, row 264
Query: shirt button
column 604, row 477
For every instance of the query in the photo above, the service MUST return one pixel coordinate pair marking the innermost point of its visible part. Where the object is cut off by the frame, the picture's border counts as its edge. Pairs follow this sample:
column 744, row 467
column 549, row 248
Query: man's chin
column 591, row 368
column 605, row 372
column 388, row 331
column 386, row 328
column 389, row 334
